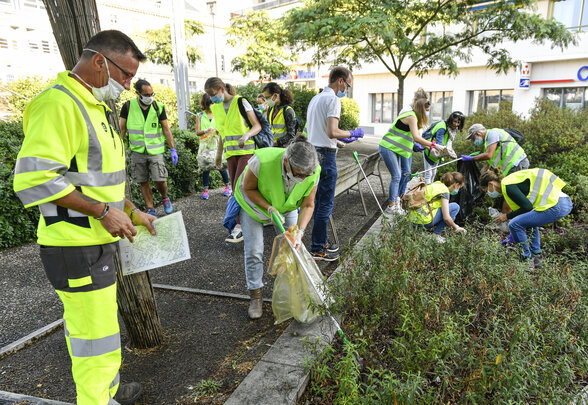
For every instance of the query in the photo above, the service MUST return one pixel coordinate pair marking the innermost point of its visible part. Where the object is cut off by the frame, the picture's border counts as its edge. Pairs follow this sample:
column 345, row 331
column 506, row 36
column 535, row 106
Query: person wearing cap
column 275, row 180
column 501, row 150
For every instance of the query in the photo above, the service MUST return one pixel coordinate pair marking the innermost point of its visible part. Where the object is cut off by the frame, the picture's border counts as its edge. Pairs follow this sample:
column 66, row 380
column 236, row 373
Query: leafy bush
column 163, row 94
column 349, row 114
column 19, row 225
column 28, row 87
column 465, row 322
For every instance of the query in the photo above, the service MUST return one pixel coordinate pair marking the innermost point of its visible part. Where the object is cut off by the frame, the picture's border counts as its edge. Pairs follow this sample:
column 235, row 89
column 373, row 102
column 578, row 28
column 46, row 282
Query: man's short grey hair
column 302, row 156
column 474, row 129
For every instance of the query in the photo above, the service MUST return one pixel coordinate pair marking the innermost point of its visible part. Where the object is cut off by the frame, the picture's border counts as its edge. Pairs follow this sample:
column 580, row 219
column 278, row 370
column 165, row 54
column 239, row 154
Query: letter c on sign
column 582, row 79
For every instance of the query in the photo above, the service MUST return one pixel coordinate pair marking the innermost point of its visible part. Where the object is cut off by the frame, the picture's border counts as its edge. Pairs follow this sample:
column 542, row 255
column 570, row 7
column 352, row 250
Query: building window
column 572, row 13
column 223, row 63
column 383, row 107
column 3, row 43
column 6, row 3
column 567, row 97
column 34, row 4
column 55, row 50
column 15, row 44
column 45, row 46
column 441, row 103
column 33, row 46
column 113, row 19
column 488, row 100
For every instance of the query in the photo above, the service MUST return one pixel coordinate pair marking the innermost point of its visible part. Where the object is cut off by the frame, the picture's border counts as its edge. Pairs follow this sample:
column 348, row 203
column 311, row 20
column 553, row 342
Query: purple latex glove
column 467, row 158
column 509, row 241
column 356, row 133
column 418, row 147
column 347, row 140
column 174, row 156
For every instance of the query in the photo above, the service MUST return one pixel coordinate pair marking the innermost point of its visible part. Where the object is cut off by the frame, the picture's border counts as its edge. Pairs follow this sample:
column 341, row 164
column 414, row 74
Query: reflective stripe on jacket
column 440, row 125
column 69, row 145
column 507, row 152
column 398, row 141
column 278, row 123
column 271, row 185
column 544, row 189
column 231, row 127
column 145, row 133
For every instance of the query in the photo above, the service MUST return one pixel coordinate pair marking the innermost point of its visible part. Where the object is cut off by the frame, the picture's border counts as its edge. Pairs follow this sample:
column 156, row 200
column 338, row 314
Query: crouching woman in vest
column 439, row 212
column 275, row 180
column 535, row 198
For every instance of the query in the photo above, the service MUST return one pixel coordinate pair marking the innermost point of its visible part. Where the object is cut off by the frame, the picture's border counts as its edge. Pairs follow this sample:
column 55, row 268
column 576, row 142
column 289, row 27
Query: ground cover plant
column 460, row 322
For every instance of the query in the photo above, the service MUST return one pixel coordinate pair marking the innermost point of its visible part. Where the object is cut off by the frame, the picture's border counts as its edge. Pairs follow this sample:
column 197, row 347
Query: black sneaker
column 332, row 247
column 128, row 394
column 324, row 255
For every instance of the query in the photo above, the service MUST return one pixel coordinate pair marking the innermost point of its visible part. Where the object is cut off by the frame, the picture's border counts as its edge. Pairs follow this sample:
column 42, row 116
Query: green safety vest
column 69, row 145
column 440, row 125
column 206, row 122
column 278, row 123
column 507, row 152
column 145, row 133
column 271, row 185
column 305, row 130
column 231, row 127
column 544, row 190
column 433, row 192
column 398, row 141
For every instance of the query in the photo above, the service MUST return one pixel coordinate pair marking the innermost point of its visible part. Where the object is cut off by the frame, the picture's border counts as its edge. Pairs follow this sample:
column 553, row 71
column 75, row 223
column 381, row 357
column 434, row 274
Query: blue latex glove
column 509, row 241
column 467, row 158
column 356, row 133
column 418, row 147
column 347, row 140
column 174, row 156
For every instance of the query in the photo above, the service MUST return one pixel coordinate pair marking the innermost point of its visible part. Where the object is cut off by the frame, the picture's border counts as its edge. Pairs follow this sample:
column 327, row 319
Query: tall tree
column 160, row 45
column 74, row 22
column 416, row 36
column 263, row 41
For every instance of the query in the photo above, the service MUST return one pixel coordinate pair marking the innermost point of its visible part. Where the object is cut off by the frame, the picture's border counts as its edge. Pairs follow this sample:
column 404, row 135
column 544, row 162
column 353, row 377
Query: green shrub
column 28, row 87
column 465, row 322
column 349, row 114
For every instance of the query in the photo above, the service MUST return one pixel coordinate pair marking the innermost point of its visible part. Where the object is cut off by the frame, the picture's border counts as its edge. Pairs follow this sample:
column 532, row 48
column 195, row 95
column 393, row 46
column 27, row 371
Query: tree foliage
column 160, row 43
column 416, row 36
column 262, row 39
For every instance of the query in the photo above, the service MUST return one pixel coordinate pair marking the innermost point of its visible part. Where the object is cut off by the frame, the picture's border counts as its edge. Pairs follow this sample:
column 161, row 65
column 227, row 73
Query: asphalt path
column 196, row 327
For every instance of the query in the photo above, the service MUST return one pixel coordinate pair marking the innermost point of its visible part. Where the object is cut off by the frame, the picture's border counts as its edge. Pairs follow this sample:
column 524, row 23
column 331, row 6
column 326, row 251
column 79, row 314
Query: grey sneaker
column 538, row 261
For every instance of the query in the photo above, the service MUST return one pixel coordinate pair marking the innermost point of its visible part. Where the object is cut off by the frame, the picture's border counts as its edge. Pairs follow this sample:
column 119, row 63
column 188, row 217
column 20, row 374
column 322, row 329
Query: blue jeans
column 206, row 178
column 438, row 223
column 525, row 227
column 405, row 168
column 325, row 196
column 392, row 161
column 253, row 246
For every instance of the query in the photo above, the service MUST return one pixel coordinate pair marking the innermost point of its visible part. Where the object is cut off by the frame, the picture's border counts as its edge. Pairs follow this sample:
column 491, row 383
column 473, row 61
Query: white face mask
column 110, row 91
column 290, row 176
column 270, row 102
column 146, row 100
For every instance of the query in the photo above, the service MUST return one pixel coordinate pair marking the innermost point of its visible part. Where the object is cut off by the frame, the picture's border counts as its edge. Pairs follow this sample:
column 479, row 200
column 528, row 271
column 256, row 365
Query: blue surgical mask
column 261, row 107
column 478, row 141
column 492, row 194
column 454, row 192
column 342, row 94
column 216, row 99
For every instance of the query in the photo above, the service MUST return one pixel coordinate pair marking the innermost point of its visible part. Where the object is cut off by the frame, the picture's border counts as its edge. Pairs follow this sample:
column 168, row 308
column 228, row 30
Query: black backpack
column 520, row 138
column 428, row 134
column 265, row 137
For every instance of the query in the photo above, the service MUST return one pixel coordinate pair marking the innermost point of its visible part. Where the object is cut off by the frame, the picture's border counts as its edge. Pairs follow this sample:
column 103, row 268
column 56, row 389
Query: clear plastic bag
column 207, row 153
column 293, row 294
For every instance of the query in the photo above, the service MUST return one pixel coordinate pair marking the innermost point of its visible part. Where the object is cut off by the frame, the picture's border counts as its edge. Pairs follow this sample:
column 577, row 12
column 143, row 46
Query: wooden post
column 74, row 22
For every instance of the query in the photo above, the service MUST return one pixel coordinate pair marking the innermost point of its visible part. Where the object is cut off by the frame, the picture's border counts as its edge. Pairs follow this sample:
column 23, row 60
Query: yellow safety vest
column 433, row 192
column 145, row 133
column 544, row 190
column 278, row 123
column 399, row 141
column 507, row 152
column 231, row 127
column 69, row 145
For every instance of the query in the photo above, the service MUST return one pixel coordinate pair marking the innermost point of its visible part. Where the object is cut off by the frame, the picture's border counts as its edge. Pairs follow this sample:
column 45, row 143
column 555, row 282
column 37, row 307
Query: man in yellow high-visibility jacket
column 72, row 166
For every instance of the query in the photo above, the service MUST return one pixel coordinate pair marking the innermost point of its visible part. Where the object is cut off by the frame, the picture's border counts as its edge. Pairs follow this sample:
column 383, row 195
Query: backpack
column 428, row 134
column 520, row 138
column 415, row 197
column 265, row 137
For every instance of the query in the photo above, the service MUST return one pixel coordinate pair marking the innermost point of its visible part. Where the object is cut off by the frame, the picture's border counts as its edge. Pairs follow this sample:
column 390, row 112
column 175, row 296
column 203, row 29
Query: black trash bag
column 470, row 192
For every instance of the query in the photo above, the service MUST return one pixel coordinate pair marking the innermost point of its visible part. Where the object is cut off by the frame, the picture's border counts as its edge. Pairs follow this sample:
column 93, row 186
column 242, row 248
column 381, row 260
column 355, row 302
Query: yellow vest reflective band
column 305, row 130
column 231, row 127
column 69, row 145
column 398, row 141
column 271, row 185
column 507, row 152
column 278, row 123
column 544, row 189
column 433, row 194
column 440, row 124
column 145, row 133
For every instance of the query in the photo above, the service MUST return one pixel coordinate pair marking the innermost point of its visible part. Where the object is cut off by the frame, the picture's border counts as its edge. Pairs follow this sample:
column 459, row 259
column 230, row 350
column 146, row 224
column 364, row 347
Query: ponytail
column 452, row 178
column 216, row 84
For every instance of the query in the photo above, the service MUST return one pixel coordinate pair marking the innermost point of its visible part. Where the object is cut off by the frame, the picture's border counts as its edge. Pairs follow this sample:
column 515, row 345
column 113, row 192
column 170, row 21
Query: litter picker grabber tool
column 424, row 171
column 276, row 220
column 356, row 157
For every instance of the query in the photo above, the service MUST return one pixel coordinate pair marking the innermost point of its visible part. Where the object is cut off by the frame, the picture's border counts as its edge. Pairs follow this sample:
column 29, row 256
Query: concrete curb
column 10, row 398
column 281, row 376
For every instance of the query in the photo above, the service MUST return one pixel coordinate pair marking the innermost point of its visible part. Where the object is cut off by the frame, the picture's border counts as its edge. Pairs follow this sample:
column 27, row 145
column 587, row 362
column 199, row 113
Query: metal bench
column 349, row 178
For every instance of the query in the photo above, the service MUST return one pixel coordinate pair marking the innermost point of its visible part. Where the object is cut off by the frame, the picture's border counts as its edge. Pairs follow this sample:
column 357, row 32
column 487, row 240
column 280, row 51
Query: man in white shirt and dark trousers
column 322, row 119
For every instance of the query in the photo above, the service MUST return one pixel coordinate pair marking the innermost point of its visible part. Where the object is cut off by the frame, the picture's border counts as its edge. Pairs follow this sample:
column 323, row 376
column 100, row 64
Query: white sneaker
column 395, row 209
column 439, row 238
column 236, row 236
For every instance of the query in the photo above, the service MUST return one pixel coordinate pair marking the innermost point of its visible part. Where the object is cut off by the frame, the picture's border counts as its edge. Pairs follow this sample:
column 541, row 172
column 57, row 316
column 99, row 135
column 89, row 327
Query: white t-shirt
column 321, row 107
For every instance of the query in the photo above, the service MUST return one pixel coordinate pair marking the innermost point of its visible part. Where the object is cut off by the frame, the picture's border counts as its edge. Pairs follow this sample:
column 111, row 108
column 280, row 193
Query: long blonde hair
column 419, row 107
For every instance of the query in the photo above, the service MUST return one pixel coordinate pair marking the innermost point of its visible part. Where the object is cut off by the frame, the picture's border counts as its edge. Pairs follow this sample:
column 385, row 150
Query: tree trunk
column 400, row 78
column 74, row 22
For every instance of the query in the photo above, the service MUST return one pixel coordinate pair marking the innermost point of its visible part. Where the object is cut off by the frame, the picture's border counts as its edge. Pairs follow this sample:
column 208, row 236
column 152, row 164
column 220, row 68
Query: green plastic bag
column 293, row 295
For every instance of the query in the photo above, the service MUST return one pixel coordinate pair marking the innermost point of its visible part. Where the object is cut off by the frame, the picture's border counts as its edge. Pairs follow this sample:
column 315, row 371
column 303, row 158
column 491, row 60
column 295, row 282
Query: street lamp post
column 211, row 5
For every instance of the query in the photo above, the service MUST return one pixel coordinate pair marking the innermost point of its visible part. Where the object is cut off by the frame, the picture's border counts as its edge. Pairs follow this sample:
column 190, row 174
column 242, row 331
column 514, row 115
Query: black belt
column 324, row 149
